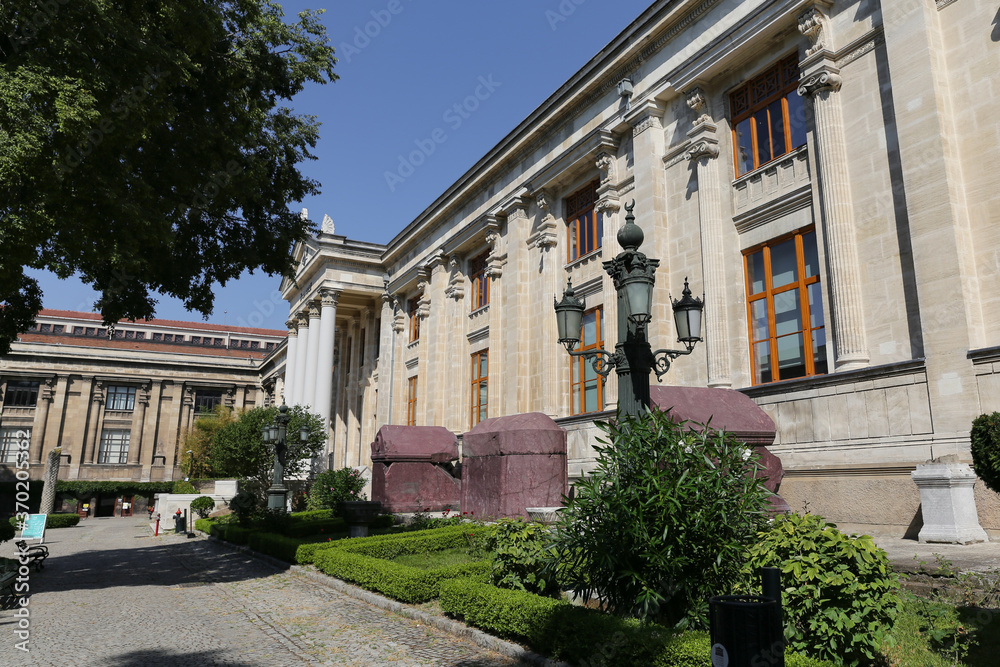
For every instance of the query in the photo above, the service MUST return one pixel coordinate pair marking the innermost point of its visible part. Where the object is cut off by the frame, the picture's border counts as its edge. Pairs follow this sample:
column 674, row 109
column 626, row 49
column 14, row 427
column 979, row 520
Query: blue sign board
column 34, row 527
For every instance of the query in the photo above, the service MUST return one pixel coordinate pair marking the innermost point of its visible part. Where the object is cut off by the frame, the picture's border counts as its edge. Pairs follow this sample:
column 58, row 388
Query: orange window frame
column 579, row 365
column 584, row 228
column 758, row 94
column 411, row 401
column 414, row 320
column 801, row 284
column 480, row 281
column 479, row 408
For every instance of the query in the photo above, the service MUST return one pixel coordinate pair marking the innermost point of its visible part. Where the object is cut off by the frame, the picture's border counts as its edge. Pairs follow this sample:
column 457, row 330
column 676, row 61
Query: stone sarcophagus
column 413, row 469
column 511, row 463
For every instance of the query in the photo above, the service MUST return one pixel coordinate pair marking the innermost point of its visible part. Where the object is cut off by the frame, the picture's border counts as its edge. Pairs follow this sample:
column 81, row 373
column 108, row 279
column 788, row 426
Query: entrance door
column 106, row 505
column 127, row 506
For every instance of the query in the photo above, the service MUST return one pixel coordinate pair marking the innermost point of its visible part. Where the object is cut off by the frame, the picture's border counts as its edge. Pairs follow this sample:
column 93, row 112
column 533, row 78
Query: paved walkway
column 111, row 595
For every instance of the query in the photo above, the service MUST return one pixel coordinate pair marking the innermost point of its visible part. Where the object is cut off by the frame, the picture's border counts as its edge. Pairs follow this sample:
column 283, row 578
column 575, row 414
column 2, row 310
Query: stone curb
column 455, row 628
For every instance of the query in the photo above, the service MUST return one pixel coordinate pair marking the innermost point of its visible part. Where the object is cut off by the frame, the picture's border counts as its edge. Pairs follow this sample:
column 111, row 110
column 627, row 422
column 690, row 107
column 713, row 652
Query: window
column 587, row 391
column 121, row 398
column 114, row 446
column 785, row 309
column 480, row 387
column 11, row 440
column 584, row 225
column 205, row 400
column 21, row 393
column 769, row 116
column 480, row 281
column 411, row 401
column 414, row 319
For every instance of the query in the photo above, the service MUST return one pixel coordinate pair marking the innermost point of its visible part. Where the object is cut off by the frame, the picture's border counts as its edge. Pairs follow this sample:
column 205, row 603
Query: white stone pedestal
column 947, row 502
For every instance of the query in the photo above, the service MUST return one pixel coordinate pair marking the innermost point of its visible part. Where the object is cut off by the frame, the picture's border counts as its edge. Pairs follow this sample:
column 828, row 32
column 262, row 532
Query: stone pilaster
column 302, row 358
column 138, row 422
column 820, row 81
column 339, row 421
column 386, row 361
column 324, row 356
column 312, row 357
column 96, row 418
column 498, row 330
column 46, row 393
column 608, row 205
column 546, row 381
column 703, row 153
column 291, row 351
column 517, row 307
column 353, row 393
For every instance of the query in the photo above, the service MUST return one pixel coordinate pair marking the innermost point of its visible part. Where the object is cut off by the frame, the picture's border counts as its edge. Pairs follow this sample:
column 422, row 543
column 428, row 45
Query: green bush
column 7, row 530
column 985, row 444
column 278, row 546
column 61, row 520
column 232, row 532
column 203, row 506
column 311, row 515
column 664, row 520
column 391, row 546
column 520, row 557
column 840, row 594
column 204, row 525
column 181, row 486
column 333, row 486
column 325, row 527
column 244, row 506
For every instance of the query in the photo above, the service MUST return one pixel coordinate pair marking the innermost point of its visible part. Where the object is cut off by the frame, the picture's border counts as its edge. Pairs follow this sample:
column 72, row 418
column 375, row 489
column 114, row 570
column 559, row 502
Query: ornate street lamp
column 633, row 274
column 276, row 435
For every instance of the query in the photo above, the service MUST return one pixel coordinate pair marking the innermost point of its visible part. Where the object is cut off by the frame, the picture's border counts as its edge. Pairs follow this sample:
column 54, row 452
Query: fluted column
column 301, row 358
column 138, row 420
column 96, row 417
column 703, row 151
column 312, row 357
column 291, row 351
column 353, row 388
column 46, row 393
column 386, row 365
column 324, row 356
column 821, row 81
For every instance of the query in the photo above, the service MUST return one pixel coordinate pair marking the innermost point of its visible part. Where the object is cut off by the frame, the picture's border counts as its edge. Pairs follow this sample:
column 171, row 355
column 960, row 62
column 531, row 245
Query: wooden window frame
column 801, row 284
column 757, row 95
column 411, row 401
column 480, row 281
column 479, row 410
column 413, row 306
column 582, row 363
column 578, row 206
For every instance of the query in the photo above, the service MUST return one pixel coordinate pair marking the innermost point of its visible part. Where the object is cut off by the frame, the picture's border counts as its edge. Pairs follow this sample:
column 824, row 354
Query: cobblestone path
column 111, row 595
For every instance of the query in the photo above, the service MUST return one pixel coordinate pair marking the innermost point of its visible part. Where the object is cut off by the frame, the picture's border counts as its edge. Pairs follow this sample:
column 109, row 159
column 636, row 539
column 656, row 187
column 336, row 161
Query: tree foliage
column 985, row 445
column 333, row 486
column 203, row 506
column 663, row 521
column 145, row 148
column 198, row 439
column 238, row 449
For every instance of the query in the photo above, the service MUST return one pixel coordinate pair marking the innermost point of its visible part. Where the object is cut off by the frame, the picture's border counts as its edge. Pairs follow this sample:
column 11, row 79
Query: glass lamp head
column 569, row 317
column 687, row 317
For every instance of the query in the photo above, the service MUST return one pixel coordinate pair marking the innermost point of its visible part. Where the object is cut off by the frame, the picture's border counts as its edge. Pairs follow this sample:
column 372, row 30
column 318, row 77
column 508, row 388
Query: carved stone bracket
column 704, row 148
column 456, row 281
column 47, row 390
column 187, row 397
column 696, row 102
column 399, row 322
column 98, row 392
column 544, row 235
column 423, row 279
column 498, row 256
column 812, row 24
column 229, row 400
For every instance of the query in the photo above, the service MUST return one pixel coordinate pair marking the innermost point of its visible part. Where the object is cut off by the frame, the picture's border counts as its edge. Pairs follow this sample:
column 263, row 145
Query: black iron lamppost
column 190, row 465
column 276, row 435
column 633, row 274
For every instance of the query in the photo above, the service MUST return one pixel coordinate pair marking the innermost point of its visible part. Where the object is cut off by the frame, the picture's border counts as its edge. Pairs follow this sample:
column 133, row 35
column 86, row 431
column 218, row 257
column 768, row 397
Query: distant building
column 819, row 170
column 118, row 401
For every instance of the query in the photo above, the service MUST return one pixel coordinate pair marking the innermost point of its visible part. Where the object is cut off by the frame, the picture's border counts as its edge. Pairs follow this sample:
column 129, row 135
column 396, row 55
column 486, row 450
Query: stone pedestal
column 512, row 463
column 947, row 502
column 412, row 469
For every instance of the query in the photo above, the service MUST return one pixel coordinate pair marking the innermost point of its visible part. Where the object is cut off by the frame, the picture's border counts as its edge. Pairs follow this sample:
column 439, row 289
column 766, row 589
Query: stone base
column 947, row 502
column 409, row 486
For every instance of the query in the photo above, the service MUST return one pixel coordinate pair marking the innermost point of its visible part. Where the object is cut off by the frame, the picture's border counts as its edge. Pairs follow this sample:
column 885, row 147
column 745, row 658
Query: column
column 353, row 391
column 301, row 358
column 46, row 393
column 703, row 151
column 309, row 386
column 386, row 365
column 324, row 357
column 151, row 431
column 340, row 414
column 608, row 205
column 291, row 350
column 97, row 417
column 138, row 420
column 820, row 81
column 551, row 383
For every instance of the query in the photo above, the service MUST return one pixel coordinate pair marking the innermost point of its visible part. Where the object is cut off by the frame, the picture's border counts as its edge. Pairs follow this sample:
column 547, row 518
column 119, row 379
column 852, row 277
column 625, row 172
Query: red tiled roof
column 146, row 345
column 201, row 326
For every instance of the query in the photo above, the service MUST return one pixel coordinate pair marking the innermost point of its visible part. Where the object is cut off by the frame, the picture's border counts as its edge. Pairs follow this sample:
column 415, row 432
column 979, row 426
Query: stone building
column 118, row 401
column 817, row 169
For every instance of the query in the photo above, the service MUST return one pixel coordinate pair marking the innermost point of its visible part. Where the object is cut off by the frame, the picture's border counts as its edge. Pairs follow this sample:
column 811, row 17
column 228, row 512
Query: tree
column 143, row 147
column 238, row 449
column 203, row 506
column 199, row 439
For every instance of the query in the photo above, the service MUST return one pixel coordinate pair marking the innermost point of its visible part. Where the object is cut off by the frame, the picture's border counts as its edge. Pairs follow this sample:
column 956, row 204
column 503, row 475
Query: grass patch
column 433, row 559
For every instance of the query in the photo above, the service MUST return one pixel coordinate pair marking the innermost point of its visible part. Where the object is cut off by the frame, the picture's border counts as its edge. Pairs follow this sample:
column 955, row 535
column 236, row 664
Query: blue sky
column 404, row 65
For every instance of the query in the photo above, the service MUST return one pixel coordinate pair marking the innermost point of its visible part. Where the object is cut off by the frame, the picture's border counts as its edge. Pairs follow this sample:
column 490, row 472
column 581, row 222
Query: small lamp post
column 633, row 359
column 276, row 434
column 190, row 454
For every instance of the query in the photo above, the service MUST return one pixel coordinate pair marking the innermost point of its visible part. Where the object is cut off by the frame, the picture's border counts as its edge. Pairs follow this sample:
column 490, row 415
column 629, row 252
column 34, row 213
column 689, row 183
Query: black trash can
column 180, row 525
column 746, row 631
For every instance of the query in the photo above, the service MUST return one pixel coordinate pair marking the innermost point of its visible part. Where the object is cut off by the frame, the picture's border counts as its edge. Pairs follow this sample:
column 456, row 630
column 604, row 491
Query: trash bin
column 179, row 523
column 746, row 631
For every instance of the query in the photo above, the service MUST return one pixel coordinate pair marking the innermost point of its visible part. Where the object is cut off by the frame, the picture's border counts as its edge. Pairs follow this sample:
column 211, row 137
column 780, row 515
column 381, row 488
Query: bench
column 7, row 595
column 35, row 554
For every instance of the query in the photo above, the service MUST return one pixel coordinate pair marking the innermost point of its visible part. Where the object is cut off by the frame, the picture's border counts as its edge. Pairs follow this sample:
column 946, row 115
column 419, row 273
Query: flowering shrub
column 333, row 486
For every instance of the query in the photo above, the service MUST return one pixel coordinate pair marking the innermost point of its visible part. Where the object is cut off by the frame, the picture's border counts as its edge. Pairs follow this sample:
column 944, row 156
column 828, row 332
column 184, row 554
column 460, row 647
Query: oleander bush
column 333, row 486
column 840, row 594
column 521, row 557
column 203, row 506
column 985, row 445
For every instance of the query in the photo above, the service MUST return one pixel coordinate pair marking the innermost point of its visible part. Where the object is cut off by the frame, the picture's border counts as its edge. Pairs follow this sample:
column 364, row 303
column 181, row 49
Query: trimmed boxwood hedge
column 272, row 544
column 316, row 527
column 389, row 546
column 55, row 520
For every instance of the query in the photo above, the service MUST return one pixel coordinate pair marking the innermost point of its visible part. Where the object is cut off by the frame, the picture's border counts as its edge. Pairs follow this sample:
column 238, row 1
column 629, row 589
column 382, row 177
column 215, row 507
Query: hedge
column 311, row 515
column 327, row 527
column 204, row 525
column 231, row 532
column 272, row 544
column 55, row 520
column 88, row 488
column 389, row 546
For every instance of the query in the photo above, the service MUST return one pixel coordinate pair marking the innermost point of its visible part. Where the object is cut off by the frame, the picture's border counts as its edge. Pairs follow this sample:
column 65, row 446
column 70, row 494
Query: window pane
column 589, row 328
column 589, row 374
column 586, row 221
column 577, row 363
column 483, row 393
column 483, row 364
column 758, row 311
column 819, row 351
column 783, row 268
column 815, row 306
column 590, row 396
column 763, row 145
column 796, row 118
column 573, row 252
column 811, row 258
column 755, row 269
column 744, row 146
column 787, row 313
column 791, row 357
column 576, row 398
column 599, row 220
column 762, row 362
column 777, row 129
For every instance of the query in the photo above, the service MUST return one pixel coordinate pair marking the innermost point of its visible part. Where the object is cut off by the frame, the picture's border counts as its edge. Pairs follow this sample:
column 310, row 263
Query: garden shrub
column 7, row 530
column 326, row 527
column 663, row 521
column 52, row 521
column 243, row 505
column 391, row 546
column 333, row 486
column 520, row 556
column 232, row 532
column 840, row 594
column 203, row 506
column 311, row 515
column 181, row 486
column 272, row 544
column 985, row 444
column 204, row 525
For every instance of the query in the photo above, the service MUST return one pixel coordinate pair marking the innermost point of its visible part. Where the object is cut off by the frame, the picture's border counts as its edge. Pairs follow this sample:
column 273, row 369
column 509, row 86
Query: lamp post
column 633, row 274
column 190, row 454
column 276, row 435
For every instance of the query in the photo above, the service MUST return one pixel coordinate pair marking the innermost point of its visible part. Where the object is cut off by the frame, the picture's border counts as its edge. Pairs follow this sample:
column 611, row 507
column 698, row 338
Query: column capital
column 329, row 297
column 517, row 209
column 313, row 309
column 704, row 142
column 293, row 327
column 826, row 77
column 303, row 318
column 646, row 115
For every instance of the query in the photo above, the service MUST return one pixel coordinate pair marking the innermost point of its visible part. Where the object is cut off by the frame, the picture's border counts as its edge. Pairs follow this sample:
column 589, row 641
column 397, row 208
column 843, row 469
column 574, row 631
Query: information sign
column 34, row 527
